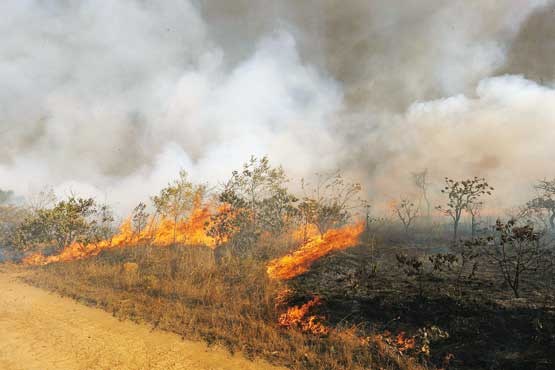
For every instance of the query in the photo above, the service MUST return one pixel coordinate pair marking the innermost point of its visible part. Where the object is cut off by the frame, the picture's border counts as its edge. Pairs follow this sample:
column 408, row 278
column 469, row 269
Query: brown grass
column 181, row 289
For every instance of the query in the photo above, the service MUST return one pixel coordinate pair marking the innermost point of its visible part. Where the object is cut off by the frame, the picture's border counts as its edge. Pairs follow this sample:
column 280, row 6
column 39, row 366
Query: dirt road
column 42, row 331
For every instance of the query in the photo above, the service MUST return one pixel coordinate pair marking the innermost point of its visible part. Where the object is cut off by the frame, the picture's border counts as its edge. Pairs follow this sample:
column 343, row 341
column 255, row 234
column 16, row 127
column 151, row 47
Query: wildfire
column 401, row 341
column 314, row 248
column 298, row 317
column 160, row 233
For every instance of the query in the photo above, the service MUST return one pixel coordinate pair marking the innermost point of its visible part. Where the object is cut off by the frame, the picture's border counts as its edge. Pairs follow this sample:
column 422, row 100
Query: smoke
column 111, row 99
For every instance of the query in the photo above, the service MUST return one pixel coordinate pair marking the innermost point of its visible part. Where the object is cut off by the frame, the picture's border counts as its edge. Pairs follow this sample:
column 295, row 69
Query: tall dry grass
column 231, row 304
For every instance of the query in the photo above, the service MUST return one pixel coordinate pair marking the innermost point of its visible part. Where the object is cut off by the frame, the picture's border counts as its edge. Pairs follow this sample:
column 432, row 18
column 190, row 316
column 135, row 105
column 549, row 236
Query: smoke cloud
column 111, row 99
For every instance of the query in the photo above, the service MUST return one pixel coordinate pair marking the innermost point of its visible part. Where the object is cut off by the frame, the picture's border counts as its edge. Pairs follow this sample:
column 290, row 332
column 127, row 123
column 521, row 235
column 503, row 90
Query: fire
column 404, row 343
column 297, row 317
column 160, row 233
column 401, row 341
column 305, row 232
column 299, row 262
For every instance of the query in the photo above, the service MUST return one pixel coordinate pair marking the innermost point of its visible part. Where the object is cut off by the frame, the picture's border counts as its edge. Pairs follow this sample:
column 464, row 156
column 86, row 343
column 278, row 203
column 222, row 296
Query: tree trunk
column 455, row 230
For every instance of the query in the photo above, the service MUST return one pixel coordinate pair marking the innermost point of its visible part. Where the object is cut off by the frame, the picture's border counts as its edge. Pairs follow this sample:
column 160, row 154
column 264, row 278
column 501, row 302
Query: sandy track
column 42, row 331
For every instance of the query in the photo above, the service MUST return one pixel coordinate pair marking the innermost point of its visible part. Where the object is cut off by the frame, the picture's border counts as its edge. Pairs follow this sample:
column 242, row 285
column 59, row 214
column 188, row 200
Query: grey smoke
column 113, row 98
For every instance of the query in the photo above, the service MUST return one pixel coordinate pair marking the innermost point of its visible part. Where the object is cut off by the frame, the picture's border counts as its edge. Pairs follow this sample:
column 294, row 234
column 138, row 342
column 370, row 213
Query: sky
column 111, row 99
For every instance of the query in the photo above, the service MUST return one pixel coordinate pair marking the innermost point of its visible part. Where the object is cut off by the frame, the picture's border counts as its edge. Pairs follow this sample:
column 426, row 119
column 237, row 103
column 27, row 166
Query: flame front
column 160, row 233
column 298, row 317
column 299, row 262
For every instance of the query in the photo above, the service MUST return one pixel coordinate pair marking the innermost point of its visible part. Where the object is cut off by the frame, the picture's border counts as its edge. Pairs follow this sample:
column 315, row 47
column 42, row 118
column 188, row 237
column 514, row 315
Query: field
column 374, row 314
column 43, row 331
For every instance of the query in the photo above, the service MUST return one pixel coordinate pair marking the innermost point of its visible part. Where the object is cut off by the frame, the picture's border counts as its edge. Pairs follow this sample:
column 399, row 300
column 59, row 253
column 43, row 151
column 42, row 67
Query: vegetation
column 407, row 212
column 68, row 221
column 415, row 291
column 463, row 196
column 175, row 201
column 233, row 305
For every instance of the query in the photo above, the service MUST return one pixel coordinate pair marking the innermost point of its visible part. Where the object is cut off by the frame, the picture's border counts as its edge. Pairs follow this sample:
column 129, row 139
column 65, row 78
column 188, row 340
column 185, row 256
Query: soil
column 43, row 331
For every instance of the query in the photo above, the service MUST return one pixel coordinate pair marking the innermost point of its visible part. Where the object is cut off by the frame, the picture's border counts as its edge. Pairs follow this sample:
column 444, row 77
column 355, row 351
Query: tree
column 474, row 209
column 102, row 224
column 177, row 199
column 420, row 180
column 545, row 201
column 461, row 195
column 139, row 217
column 516, row 250
column 328, row 203
column 45, row 198
column 407, row 211
column 11, row 217
column 258, row 202
column 68, row 221
column 5, row 196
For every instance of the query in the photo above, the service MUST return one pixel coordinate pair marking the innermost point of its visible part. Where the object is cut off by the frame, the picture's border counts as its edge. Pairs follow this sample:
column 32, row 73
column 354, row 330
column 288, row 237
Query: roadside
column 43, row 331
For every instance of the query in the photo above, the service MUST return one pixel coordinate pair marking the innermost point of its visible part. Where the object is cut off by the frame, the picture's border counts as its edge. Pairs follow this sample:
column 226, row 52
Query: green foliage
column 259, row 202
column 71, row 220
column 139, row 217
column 178, row 198
column 10, row 218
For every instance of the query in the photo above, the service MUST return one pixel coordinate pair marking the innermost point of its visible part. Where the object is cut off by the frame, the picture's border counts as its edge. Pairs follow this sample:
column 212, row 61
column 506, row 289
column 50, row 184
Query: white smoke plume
column 111, row 99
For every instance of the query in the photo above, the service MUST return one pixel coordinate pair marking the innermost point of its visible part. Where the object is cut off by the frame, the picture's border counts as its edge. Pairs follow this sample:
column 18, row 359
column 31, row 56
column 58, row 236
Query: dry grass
column 232, row 304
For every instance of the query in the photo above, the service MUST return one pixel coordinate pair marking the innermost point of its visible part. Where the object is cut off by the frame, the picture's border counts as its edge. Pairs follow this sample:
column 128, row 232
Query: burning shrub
column 258, row 198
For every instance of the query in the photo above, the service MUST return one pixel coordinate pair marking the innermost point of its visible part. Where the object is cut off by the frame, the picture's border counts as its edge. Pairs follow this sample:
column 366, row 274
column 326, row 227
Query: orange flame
column 401, row 341
column 299, row 262
column 298, row 317
column 404, row 343
column 189, row 231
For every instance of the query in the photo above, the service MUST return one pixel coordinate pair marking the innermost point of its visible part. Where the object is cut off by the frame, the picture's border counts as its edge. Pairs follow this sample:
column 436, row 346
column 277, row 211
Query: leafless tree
column 420, row 180
column 41, row 200
column 516, row 250
column 406, row 211
column 474, row 209
column 329, row 201
column 545, row 201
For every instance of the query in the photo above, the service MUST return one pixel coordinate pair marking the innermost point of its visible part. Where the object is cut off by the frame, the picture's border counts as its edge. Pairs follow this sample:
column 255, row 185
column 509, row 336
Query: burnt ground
column 479, row 325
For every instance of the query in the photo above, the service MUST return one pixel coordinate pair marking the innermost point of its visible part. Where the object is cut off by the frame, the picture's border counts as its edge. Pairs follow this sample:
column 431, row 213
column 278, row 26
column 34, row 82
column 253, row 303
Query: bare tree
column 517, row 250
column 406, row 211
column 545, row 201
column 461, row 195
column 420, row 180
column 41, row 200
column 474, row 209
column 329, row 201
